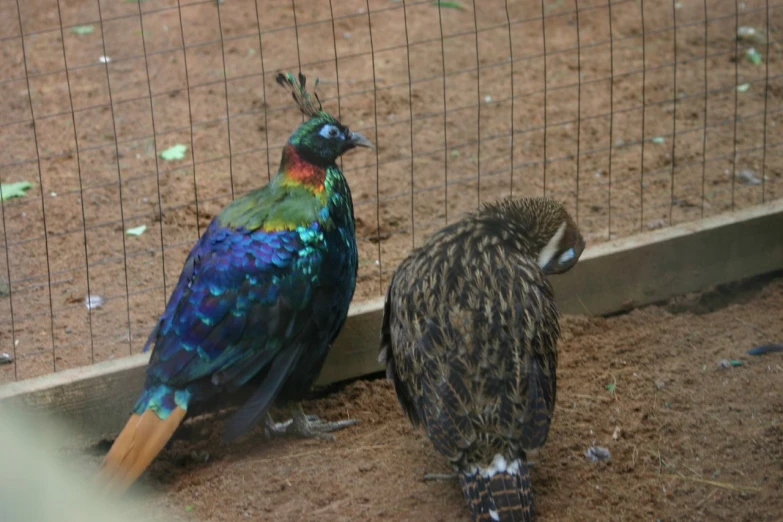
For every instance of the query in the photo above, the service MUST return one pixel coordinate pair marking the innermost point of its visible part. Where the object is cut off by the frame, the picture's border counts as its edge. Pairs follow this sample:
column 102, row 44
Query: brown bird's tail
column 139, row 442
column 501, row 492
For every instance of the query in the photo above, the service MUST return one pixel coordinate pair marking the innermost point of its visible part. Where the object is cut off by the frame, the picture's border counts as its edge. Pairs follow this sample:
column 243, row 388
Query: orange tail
column 139, row 442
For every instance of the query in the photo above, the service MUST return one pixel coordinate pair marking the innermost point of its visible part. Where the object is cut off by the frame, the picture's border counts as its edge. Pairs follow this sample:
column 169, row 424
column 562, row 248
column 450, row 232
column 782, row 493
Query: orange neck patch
column 301, row 172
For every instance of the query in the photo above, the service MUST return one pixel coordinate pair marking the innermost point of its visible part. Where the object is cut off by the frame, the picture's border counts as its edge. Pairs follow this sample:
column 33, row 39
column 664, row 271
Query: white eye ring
column 566, row 256
column 330, row 132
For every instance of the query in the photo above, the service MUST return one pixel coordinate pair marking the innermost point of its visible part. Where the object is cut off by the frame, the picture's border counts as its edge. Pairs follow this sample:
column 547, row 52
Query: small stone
column 656, row 224
column 199, row 456
column 747, row 177
column 660, row 384
column 93, row 301
column 750, row 35
column 68, row 330
column 616, row 433
column 724, row 364
column 6, row 358
column 597, row 454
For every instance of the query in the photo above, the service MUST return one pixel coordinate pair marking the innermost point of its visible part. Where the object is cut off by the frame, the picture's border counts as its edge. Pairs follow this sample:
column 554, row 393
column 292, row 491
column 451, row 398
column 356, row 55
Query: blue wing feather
column 223, row 322
column 256, row 308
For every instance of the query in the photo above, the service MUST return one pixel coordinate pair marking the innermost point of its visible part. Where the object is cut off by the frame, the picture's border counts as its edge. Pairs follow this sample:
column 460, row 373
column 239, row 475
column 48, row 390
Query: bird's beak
column 357, row 140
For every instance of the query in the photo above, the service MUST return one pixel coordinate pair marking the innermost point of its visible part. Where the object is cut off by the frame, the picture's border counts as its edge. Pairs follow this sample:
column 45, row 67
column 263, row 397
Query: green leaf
column 14, row 190
column 136, row 231
column 743, row 87
column 610, row 387
column 450, row 5
column 658, row 139
column 188, row 508
column 753, row 56
column 82, row 29
column 177, row 152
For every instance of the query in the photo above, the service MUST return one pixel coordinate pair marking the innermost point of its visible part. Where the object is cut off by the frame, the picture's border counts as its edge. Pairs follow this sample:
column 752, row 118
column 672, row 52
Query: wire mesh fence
column 128, row 124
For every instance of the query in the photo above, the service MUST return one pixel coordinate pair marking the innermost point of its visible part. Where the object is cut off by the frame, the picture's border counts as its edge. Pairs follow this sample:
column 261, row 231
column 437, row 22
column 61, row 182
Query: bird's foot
column 278, row 429
column 440, row 476
column 306, row 426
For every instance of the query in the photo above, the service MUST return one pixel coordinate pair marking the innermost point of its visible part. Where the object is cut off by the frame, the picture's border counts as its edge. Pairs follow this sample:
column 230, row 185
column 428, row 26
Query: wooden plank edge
column 610, row 277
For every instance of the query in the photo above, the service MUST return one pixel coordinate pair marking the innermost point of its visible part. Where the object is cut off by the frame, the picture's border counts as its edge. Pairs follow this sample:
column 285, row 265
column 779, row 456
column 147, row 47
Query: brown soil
column 688, row 440
column 398, row 200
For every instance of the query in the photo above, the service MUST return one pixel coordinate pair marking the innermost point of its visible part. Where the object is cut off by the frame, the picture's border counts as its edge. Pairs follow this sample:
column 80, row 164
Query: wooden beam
column 651, row 267
column 610, row 277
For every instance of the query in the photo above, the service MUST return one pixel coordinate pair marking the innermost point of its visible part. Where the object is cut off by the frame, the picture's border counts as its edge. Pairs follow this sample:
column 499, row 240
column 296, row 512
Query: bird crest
column 309, row 103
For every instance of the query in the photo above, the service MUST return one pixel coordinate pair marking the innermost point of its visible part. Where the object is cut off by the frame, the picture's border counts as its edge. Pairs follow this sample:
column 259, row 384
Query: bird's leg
column 312, row 427
column 440, row 476
column 272, row 428
column 453, row 476
column 309, row 426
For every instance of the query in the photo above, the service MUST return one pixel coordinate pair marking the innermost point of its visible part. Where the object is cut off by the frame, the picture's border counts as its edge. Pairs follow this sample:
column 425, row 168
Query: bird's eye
column 330, row 132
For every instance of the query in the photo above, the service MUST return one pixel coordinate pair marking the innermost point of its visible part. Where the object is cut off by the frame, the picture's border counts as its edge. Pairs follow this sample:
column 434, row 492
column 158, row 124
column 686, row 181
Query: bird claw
column 317, row 428
column 306, row 426
column 440, row 476
column 272, row 428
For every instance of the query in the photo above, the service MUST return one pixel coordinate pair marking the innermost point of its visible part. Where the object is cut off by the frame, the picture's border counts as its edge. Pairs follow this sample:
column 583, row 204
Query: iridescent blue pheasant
column 261, row 298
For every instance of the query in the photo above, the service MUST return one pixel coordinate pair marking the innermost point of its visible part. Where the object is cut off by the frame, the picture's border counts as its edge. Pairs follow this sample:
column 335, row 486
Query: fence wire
column 126, row 126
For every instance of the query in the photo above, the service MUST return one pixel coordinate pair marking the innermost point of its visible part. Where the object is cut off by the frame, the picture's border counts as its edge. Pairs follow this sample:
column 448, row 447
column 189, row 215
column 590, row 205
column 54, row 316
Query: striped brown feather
column 469, row 337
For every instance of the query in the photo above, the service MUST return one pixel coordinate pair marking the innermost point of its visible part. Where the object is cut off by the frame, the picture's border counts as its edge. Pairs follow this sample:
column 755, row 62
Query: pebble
column 747, row 177
column 597, row 454
column 655, row 224
column 94, row 301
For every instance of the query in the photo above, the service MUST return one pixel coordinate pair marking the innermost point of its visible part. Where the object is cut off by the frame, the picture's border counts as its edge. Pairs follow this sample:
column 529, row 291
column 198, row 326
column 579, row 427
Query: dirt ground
column 426, row 171
column 689, row 440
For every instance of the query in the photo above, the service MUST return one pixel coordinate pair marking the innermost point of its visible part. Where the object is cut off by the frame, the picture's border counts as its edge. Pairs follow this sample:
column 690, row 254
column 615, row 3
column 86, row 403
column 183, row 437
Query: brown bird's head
column 550, row 234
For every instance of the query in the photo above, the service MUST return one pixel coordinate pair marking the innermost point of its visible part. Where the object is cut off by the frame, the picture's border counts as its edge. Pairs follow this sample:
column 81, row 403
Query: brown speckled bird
column 469, row 339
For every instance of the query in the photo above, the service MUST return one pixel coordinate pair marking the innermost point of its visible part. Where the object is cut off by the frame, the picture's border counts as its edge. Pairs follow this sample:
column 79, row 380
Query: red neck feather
column 297, row 169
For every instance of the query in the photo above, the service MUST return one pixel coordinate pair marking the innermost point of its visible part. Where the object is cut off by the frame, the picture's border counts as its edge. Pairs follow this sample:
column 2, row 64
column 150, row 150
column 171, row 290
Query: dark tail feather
column 499, row 493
